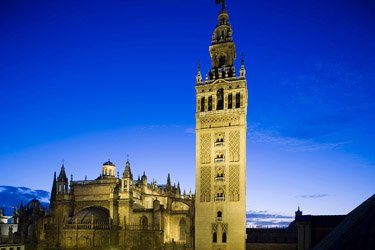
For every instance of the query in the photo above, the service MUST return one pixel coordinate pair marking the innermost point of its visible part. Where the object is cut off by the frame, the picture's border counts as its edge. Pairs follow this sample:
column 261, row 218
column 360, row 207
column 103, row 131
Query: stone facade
column 221, row 107
column 118, row 212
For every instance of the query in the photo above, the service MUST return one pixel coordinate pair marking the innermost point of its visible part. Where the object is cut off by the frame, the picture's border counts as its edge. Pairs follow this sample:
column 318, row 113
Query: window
column 222, row 58
column 238, row 100
column 144, row 222
column 224, row 237
column 230, row 97
column 230, row 73
column 220, row 99
column 220, row 195
column 182, row 229
column 60, row 189
column 202, row 104
column 219, row 139
column 219, row 157
column 209, row 106
column 214, row 237
column 219, row 174
column 219, row 216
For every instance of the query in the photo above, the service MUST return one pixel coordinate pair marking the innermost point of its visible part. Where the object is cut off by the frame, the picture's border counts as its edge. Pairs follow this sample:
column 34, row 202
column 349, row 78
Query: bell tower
column 221, row 108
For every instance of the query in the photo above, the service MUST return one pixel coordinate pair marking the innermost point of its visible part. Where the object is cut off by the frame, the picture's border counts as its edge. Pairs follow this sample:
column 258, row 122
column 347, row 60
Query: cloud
column 312, row 196
column 265, row 219
column 11, row 197
column 289, row 143
column 190, row 130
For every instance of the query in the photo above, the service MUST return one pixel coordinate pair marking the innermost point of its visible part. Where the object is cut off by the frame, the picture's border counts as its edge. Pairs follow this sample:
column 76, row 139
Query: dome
column 86, row 215
column 108, row 163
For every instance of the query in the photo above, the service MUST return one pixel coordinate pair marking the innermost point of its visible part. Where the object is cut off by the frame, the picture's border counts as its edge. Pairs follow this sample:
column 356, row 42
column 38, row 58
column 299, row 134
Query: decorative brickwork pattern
column 205, row 148
column 219, row 121
column 234, row 184
column 224, row 227
column 205, row 184
column 234, row 146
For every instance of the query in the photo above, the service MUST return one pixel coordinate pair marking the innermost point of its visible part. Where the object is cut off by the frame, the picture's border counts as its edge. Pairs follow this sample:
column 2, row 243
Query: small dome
column 34, row 203
column 86, row 215
column 108, row 163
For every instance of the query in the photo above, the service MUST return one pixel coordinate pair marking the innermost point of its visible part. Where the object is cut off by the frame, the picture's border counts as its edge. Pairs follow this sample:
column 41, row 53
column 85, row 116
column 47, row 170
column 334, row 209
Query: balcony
column 219, row 159
column 219, row 178
column 219, row 198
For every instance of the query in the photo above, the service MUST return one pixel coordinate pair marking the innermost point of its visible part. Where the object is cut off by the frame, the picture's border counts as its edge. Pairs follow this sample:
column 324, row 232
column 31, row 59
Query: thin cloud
column 264, row 219
column 290, row 143
column 312, row 196
column 190, row 130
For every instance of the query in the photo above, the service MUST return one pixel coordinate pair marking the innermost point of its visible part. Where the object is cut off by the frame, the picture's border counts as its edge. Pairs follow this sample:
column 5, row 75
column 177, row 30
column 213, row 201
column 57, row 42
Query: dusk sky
column 88, row 81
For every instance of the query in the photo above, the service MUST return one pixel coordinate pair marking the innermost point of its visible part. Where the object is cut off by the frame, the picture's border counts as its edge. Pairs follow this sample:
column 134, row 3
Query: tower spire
column 222, row 49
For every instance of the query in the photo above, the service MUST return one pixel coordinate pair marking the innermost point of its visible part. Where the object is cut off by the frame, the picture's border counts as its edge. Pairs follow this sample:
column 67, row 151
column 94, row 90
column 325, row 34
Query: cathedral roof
column 91, row 214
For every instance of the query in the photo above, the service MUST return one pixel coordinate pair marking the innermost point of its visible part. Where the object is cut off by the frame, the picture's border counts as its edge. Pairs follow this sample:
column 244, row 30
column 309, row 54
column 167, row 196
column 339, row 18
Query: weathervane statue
column 222, row 3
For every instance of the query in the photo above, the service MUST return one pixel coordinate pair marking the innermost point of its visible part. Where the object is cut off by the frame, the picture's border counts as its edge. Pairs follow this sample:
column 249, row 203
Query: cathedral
column 118, row 211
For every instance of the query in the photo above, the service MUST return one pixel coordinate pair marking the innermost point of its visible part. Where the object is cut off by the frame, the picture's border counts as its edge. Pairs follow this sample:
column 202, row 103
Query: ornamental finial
column 222, row 4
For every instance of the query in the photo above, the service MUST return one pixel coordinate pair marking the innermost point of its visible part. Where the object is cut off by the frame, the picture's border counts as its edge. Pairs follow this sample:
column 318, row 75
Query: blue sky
column 85, row 81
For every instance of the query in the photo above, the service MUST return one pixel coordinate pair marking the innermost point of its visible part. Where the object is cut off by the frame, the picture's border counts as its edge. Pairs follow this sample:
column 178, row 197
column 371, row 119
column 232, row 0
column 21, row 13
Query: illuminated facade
column 118, row 212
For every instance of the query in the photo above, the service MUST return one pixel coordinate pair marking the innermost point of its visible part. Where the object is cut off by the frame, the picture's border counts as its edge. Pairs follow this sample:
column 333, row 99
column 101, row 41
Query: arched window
column 219, row 214
column 222, row 61
column 238, row 100
column 220, row 172
column 224, row 237
column 144, row 222
column 214, row 237
column 230, row 73
column 209, row 106
column 220, row 99
column 220, row 194
column 202, row 104
column 110, row 172
column 230, row 97
column 182, row 229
